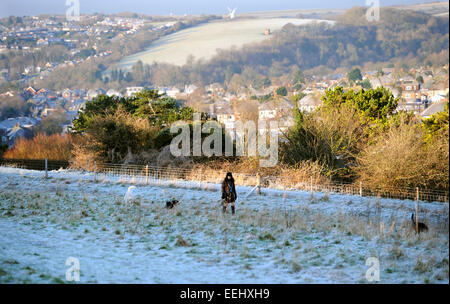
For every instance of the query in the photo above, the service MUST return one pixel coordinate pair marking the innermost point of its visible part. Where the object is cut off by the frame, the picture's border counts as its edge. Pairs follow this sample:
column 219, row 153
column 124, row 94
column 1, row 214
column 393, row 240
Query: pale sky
column 177, row 7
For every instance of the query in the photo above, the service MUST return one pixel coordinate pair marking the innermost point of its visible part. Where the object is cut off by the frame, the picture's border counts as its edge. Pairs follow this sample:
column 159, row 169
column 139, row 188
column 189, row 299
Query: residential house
column 38, row 99
column 309, row 90
column 66, row 94
column 17, row 132
column 31, row 91
column 28, row 70
column 71, row 115
column 410, row 90
column 94, row 93
column 133, row 90
column 215, row 89
column 381, row 81
column 13, row 128
column 45, row 92
column 309, row 103
column 211, row 111
column 424, row 95
column 189, row 89
column 42, row 42
column 78, row 93
column 8, row 94
column 173, row 92
column 112, row 92
column 161, row 90
column 264, row 91
column 439, row 89
column 267, row 110
column 229, row 96
column 50, row 65
column 433, row 109
column 414, row 106
column 394, row 90
column 47, row 111
column 438, row 98
column 22, row 121
column 225, row 115
column 320, row 87
column 280, row 110
column 75, row 105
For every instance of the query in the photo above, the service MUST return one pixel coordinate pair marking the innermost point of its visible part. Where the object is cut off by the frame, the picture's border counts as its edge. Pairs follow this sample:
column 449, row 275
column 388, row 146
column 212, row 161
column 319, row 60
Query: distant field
column 434, row 8
column 203, row 41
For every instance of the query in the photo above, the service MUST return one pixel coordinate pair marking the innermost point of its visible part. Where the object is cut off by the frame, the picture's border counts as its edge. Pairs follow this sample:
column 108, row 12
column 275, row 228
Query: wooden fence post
column 46, row 168
column 360, row 189
column 146, row 174
column 95, row 171
column 258, row 183
column 392, row 227
column 312, row 192
column 417, row 209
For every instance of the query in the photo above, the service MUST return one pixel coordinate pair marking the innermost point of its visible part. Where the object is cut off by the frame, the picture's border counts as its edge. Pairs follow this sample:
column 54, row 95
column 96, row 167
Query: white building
column 133, row 90
column 225, row 115
column 267, row 112
column 112, row 92
column 437, row 98
column 173, row 92
column 189, row 89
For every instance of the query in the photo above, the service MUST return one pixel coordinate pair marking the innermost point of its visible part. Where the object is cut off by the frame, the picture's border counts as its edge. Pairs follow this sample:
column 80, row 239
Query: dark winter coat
column 228, row 189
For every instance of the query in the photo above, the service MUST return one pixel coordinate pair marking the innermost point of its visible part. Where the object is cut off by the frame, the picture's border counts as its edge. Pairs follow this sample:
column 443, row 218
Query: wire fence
column 34, row 164
column 144, row 174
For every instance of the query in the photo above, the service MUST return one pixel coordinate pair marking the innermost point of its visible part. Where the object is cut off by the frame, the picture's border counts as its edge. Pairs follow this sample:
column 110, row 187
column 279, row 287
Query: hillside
column 203, row 41
column 401, row 36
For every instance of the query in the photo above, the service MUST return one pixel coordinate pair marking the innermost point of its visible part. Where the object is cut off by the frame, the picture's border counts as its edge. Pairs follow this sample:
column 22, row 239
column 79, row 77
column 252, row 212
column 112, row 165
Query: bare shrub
column 401, row 158
column 54, row 147
column 181, row 242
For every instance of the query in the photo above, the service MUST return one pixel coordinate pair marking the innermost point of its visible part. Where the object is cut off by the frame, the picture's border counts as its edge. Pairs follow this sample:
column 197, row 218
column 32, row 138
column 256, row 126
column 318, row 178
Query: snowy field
column 276, row 237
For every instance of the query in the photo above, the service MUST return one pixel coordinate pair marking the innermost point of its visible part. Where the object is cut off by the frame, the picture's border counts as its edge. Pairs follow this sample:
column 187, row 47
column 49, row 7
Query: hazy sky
column 178, row 7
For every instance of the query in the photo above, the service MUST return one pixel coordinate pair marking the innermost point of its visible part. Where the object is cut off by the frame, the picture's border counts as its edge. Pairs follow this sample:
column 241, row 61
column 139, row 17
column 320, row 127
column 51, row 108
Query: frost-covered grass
column 273, row 238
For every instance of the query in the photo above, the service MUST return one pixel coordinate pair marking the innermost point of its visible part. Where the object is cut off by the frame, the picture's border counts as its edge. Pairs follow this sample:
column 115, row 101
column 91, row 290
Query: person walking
column 229, row 195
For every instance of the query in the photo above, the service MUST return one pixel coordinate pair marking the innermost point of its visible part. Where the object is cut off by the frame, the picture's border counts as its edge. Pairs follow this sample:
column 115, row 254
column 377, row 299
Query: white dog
column 129, row 197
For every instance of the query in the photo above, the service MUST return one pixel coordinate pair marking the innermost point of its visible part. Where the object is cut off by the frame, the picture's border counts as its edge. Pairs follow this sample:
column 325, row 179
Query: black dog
column 422, row 226
column 171, row 204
